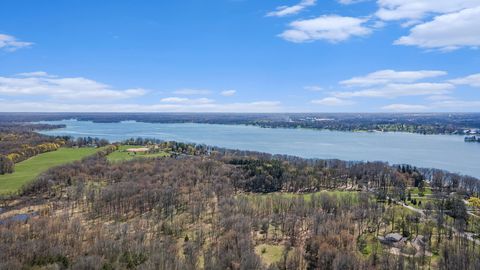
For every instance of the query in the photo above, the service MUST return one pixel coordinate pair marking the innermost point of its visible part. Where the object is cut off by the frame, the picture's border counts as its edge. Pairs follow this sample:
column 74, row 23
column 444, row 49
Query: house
column 472, row 139
column 138, row 150
column 393, row 239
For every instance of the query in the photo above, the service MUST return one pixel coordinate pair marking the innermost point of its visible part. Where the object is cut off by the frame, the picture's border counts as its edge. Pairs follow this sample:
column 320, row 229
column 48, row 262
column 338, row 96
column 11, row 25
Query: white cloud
column 350, row 2
column 174, row 100
column 398, row 90
column 332, row 101
column 62, row 88
column 417, row 9
column 34, row 74
column 378, row 24
column 39, row 91
column 390, row 84
column 434, row 24
column 9, row 43
column 472, row 80
column 457, row 105
column 180, row 100
column 440, row 105
column 404, row 108
column 228, row 93
column 291, row 10
column 257, row 107
column 332, row 28
column 446, row 32
column 192, row 92
column 392, row 76
column 440, row 97
column 313, row 88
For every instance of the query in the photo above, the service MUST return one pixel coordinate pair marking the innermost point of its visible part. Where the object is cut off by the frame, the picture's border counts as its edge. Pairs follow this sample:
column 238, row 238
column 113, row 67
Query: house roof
column 137, row 150
column 395, row 237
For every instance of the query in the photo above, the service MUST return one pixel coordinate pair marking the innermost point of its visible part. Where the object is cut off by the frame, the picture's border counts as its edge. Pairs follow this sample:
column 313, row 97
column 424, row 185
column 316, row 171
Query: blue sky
column 240, row 55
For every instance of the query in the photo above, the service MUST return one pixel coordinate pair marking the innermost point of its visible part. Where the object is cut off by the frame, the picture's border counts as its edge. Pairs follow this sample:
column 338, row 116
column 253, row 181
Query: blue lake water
column 446, row 152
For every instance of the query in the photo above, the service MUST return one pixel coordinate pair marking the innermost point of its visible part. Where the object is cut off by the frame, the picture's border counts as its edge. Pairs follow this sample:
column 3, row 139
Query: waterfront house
column 472, row 139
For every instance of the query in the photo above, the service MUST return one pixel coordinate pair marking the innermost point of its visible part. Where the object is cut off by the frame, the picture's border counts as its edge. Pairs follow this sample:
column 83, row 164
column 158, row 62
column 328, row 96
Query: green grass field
column 353, row 195
column 269, row 253
column 416, row 192
column 27, row 170
column 122, row 155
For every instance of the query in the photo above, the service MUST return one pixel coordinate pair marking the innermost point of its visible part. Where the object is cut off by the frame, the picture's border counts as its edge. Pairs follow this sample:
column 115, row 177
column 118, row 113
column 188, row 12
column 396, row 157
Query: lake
column 446, row 152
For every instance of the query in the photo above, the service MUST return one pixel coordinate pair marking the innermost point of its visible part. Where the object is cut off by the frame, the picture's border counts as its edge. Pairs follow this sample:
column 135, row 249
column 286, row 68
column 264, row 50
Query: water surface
column 447, row 152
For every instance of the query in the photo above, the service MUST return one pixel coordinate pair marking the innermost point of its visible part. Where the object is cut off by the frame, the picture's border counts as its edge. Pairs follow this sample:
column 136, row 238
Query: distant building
column 393, row 239
column 138, row 150
column 472, row 139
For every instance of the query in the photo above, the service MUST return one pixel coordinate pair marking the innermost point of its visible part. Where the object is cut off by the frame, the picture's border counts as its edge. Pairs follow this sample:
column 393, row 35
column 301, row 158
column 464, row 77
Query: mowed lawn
column 122, row 155
column 27, row 170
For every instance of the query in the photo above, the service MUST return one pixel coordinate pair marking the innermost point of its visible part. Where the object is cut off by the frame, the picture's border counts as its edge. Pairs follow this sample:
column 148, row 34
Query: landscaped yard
column 122, row 155
column 27, row 170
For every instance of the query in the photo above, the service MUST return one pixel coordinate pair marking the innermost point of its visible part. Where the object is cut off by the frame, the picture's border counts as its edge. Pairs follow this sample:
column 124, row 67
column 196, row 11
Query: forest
column 20, row 142
column 426, row 123
column 203, row 207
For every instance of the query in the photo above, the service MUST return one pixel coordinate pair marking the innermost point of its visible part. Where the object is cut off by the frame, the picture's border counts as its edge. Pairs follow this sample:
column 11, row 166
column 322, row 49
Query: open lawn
column 348, row 195
column 122, row 155
column 269, row 253
column 416, row 192
column 27, row 170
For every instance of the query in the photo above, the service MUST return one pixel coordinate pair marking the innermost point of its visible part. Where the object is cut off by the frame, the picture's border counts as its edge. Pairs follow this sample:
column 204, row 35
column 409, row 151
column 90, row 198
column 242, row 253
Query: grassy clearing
column 29, row 169
column 269, row 253
column 122, row 155
column 416, row 192
column 424, row 202
column 307, row 196
column 367, row 243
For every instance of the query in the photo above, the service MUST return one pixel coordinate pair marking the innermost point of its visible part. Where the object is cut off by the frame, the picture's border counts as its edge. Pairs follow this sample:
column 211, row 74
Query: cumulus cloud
column 446, row 32
column 228, row 93
column 331, row 28
column 442, row 105
column 253, row 107
column 192, row 92
column 391, row 84
column 34, row 74
column 472, row 80
column 440, row 97
column 10, row 43
column 392, row 76
column 74, row 88
column 332, row 101
column 394, row 90
column 433, row 24
column 180, row 100
column 291, row 10
column 457, row 104
column 390, row 10
column 350, row 2
column 40, row 91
